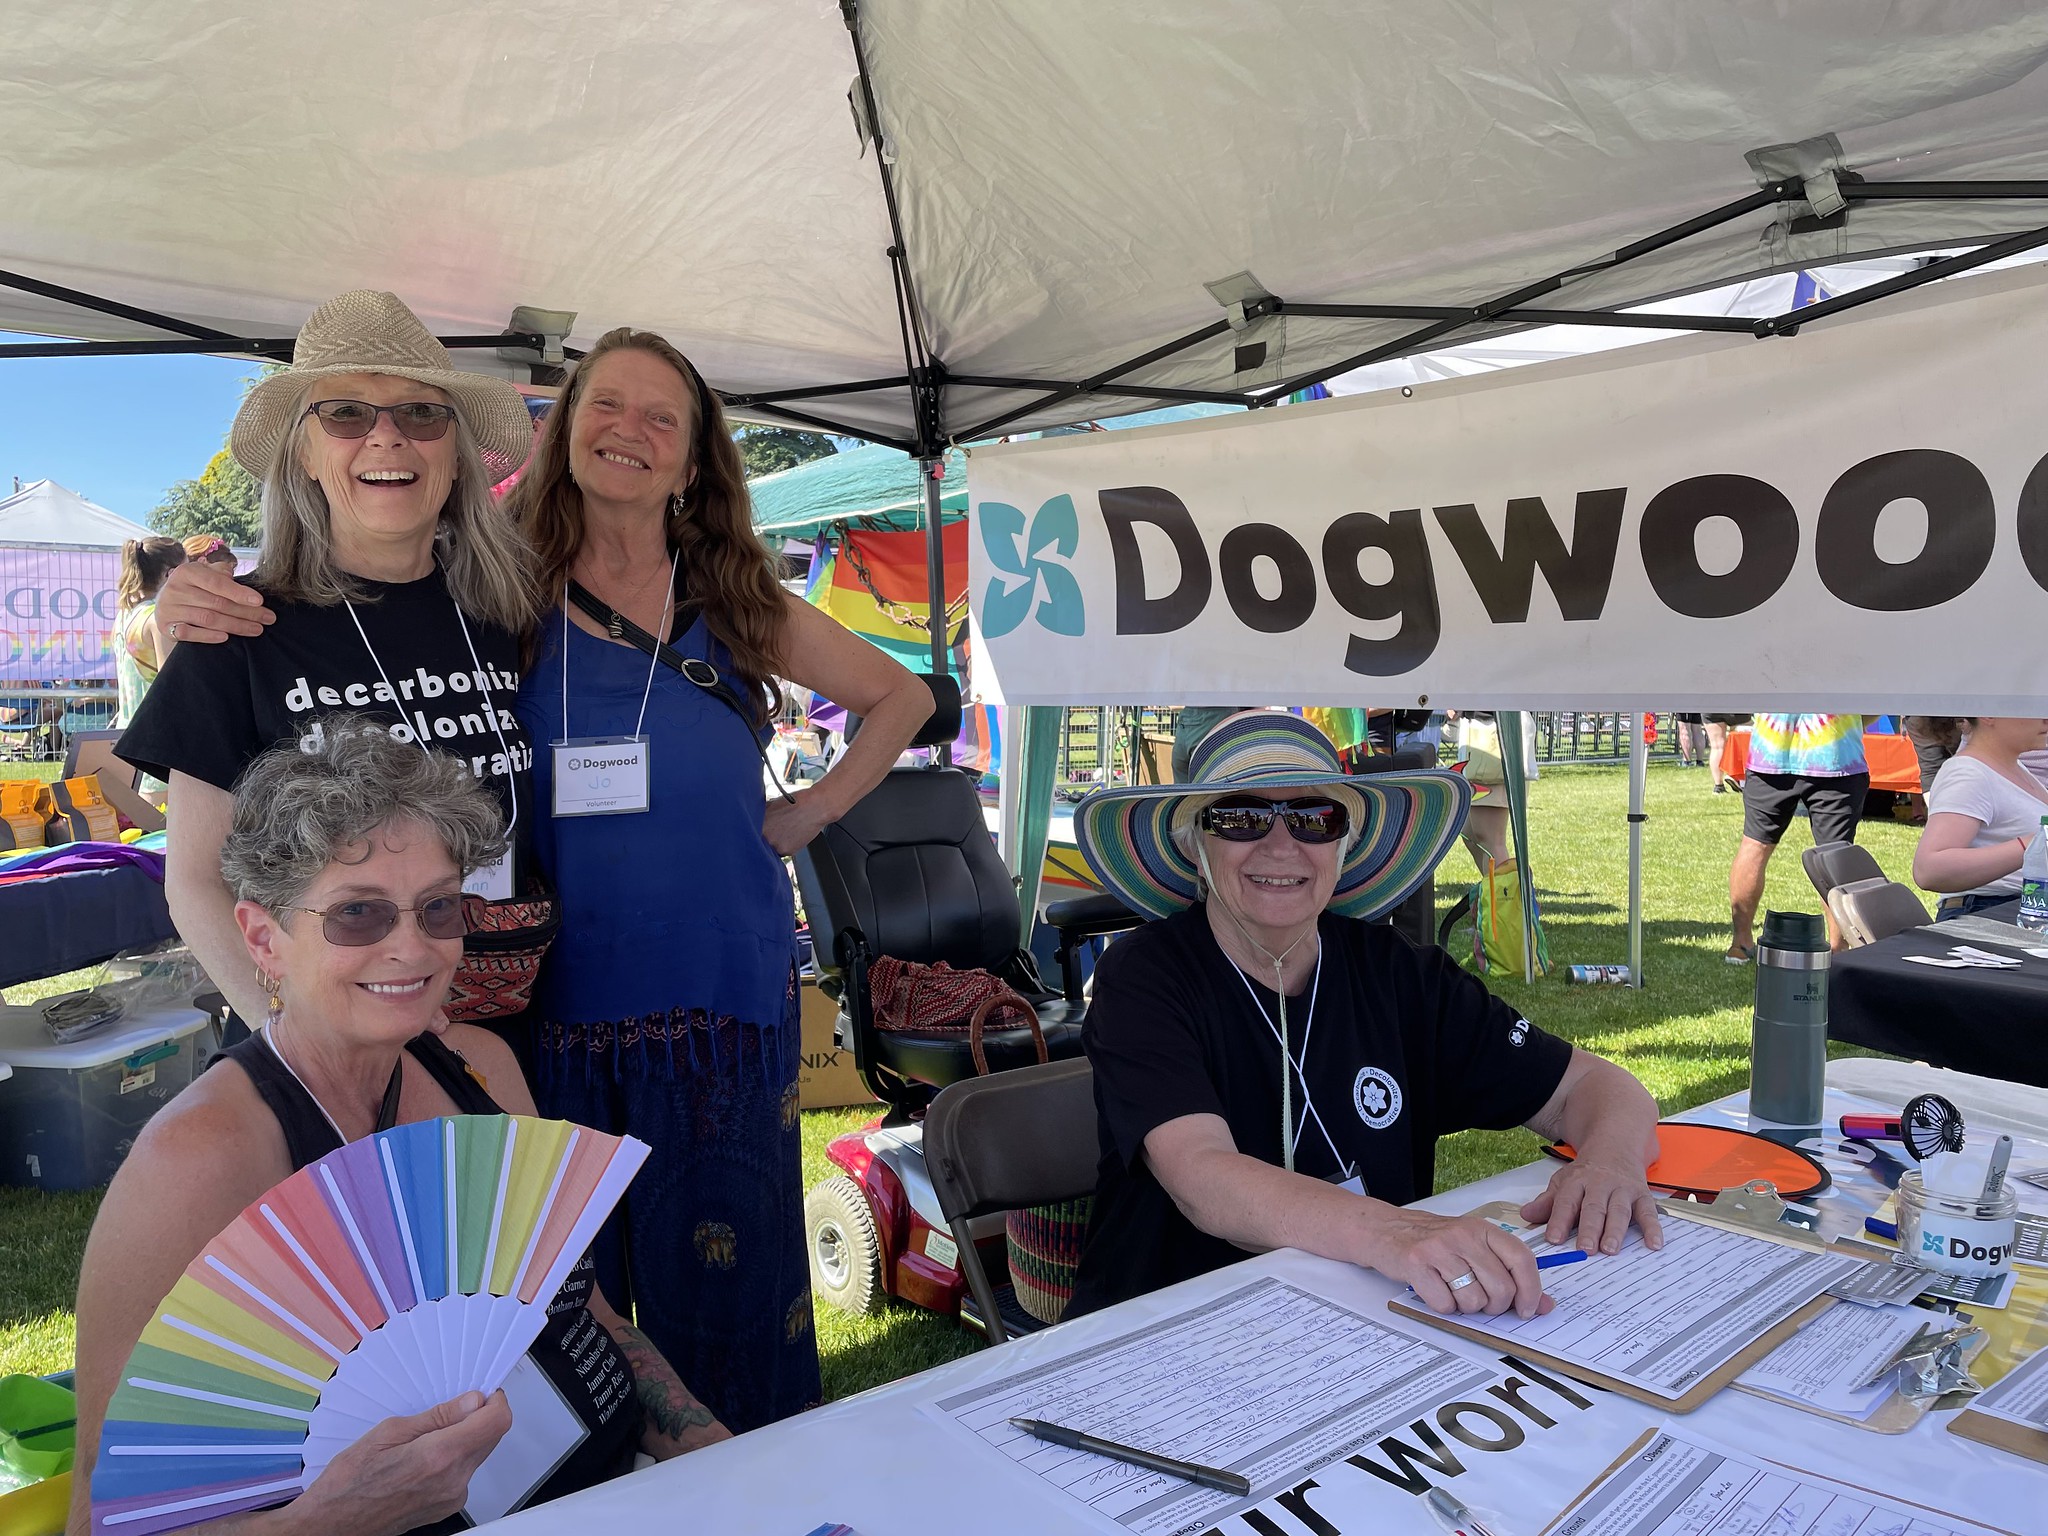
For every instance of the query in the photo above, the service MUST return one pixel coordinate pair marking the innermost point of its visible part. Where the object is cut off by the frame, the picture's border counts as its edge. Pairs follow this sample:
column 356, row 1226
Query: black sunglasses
column 353, row 924
column 421, row 421
column 1247, row 818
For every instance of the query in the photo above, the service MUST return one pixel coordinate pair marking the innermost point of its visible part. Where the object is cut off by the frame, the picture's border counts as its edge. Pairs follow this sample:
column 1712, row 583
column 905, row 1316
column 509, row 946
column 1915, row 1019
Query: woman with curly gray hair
column 345, row 863
column 398, row 589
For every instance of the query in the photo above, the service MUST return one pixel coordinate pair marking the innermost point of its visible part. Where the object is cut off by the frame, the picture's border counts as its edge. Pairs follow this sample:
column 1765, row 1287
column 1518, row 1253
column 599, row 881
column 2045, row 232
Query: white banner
column 1852, row 518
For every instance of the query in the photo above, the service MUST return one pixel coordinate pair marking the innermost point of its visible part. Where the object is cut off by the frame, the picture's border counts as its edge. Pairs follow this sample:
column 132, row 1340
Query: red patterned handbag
column 501, row 955
column 935, row 999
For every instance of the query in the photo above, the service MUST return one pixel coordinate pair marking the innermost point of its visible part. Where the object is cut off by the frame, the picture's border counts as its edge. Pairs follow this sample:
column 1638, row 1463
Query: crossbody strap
column 697, row 670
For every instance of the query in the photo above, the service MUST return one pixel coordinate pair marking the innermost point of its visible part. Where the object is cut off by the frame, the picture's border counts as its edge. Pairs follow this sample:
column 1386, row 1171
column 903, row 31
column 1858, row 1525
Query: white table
column 880, row 1464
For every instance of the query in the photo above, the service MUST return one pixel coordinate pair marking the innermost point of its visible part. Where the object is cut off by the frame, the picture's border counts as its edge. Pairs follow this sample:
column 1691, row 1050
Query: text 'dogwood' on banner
column 1853, row 518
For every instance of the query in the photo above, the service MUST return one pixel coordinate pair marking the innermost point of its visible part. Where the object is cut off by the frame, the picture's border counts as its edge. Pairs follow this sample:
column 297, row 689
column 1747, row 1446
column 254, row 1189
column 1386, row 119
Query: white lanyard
column 267, row 1040
column 490, row 709
column 653, row 658
column 1291, row 1133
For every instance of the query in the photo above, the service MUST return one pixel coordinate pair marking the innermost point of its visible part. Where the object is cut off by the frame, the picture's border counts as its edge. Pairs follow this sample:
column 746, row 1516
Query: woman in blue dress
column 668, row 1007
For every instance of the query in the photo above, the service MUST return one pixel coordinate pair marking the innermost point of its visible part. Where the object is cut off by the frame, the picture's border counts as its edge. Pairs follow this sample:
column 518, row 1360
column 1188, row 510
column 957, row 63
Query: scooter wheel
column 846, row 1250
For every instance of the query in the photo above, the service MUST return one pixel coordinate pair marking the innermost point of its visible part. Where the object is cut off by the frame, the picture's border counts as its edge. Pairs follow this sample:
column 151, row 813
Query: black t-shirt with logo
column 1403, row 1047
column 215, row 708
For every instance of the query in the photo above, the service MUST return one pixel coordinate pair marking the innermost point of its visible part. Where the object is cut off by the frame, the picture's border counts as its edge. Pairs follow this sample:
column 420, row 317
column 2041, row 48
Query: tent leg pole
column 1515, row 781
column 1638, row 776
column 933, row 470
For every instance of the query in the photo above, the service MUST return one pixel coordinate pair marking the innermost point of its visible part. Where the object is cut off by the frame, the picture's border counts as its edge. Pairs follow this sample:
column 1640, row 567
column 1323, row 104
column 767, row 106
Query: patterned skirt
column 706, row 1254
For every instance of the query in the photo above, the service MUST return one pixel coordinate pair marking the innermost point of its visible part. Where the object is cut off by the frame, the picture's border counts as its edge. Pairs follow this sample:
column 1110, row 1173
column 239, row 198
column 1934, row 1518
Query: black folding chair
column 1001, row 1143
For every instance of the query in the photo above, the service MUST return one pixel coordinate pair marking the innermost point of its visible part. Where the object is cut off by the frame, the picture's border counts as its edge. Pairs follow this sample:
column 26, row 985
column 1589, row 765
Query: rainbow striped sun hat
column 1407, row 821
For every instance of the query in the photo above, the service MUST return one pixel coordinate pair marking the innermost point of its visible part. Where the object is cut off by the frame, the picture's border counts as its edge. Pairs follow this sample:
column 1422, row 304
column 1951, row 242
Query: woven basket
column 1045, row 1250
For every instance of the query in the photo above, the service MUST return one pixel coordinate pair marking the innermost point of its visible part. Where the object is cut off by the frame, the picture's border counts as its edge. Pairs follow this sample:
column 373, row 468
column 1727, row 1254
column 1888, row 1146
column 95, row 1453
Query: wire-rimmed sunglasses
column 421, row 421
column 352, row 924
column 1247, row 818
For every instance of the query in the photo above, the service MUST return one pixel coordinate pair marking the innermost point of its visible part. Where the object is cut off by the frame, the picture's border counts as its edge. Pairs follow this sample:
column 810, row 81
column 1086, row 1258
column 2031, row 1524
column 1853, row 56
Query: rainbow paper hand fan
column 394, row 1274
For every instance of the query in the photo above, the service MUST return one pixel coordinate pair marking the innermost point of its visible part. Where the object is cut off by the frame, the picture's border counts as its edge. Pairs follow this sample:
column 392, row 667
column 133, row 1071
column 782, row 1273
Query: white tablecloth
column 879, row 1463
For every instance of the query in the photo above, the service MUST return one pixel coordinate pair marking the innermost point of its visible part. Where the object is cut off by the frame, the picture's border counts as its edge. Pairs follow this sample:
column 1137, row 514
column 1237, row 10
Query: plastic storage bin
column 70, row 1113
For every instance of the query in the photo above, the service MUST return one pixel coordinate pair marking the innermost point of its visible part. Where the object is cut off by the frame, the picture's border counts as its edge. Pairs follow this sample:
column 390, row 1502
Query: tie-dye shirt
column 1808, row 746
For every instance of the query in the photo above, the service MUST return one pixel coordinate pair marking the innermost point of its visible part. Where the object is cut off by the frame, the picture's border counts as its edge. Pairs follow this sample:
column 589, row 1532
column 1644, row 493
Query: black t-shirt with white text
column 215, row 708
column 1401, row 1047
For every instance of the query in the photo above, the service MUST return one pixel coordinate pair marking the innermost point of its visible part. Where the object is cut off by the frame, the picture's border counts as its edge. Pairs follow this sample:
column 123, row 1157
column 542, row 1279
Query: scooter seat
column 941, row 1060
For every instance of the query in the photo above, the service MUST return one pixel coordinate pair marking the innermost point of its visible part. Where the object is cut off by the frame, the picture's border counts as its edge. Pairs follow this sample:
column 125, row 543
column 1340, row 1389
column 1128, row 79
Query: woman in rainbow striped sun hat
column 1265, row 870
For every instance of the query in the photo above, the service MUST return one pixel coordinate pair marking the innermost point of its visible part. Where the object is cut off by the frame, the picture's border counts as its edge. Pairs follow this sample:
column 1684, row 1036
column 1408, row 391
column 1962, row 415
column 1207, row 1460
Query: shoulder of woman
column 491, row 1063
column 216, row 1135
column 1382, row 951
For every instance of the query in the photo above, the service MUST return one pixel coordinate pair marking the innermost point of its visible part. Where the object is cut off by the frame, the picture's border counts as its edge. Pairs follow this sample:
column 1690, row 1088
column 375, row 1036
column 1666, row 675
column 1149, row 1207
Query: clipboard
column 1653, row 1432
column 1897, row 1413
column 2002, row 1434
column 1508, row 1213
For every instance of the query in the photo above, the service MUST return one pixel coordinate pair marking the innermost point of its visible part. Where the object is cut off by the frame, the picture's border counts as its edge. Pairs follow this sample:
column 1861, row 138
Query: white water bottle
column 2034, row 883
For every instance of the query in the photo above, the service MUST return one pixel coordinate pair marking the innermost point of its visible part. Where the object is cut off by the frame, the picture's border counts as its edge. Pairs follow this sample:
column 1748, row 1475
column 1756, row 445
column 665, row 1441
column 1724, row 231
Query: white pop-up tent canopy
column 928, row 223
column 1074, row 208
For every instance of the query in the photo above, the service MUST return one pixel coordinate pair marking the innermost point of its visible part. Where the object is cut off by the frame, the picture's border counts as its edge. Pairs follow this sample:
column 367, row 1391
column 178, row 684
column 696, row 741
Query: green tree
column 765, row 450
column 225, row 500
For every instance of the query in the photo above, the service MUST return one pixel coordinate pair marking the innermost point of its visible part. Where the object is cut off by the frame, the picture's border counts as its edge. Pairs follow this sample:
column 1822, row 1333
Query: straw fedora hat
column 370, row 332
column 1405, row 822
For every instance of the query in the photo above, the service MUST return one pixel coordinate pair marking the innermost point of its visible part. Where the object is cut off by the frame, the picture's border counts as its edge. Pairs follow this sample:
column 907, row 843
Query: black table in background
column 65, row 922
column 1993, row 1023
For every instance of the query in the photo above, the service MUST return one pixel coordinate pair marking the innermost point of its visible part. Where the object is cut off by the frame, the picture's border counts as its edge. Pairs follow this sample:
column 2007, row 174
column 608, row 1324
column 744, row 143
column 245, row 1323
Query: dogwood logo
column 1030, row 562
column 1377, row 1097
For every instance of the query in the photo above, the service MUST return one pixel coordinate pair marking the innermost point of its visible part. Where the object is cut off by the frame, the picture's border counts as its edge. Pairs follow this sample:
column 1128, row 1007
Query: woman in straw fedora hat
column 1264, row 871
column 668, row 1006
column 397, row 590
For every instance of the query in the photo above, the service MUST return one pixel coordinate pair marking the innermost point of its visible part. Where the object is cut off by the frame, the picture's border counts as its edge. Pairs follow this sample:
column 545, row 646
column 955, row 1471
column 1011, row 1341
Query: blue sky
column 118, row 430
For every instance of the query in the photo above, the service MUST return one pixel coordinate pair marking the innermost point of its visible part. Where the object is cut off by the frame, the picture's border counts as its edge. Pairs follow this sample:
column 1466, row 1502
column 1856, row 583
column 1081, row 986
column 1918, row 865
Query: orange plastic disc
column 1703, row 1160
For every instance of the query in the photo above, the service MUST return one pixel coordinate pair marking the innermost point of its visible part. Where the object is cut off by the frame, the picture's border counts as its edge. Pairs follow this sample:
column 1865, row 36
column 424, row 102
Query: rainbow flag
column 874, row 583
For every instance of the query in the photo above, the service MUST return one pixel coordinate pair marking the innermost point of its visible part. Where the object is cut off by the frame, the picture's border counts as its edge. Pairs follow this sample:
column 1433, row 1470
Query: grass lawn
column 1686, row 1035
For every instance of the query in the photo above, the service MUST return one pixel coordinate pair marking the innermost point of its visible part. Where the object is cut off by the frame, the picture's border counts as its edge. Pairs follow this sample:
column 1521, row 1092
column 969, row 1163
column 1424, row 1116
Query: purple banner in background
column 57, row 609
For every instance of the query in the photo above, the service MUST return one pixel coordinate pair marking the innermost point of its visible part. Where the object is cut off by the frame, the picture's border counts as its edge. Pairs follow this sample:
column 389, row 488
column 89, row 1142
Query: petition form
column 1662, row 1320
column 1266, row 1380
column 1674, row 1485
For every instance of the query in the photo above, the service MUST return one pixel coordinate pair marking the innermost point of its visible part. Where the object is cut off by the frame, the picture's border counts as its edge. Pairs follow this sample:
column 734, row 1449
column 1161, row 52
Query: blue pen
column 1552, row 1260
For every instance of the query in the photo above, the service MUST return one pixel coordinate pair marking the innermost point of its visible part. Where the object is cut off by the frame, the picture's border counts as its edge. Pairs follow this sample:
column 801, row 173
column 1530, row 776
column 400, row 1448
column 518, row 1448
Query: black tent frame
column 927, row 378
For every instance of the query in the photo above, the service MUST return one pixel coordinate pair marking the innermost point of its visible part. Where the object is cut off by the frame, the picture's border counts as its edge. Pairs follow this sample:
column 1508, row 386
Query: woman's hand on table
column 202, row 602
column 1429, row 1252
column 406, row 1472
column 791, row 824
column 1600, row 1197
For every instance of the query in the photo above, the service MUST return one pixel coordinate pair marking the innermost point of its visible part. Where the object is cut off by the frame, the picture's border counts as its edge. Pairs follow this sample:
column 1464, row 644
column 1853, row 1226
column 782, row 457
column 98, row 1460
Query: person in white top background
column 1984, row 809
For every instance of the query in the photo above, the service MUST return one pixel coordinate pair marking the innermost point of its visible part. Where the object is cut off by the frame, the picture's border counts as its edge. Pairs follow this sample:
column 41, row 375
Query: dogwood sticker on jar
column 1956, row 1234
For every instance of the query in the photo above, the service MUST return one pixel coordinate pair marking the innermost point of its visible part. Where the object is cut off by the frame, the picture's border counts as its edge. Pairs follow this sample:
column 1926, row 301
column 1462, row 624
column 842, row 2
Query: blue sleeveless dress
column 667, row 1010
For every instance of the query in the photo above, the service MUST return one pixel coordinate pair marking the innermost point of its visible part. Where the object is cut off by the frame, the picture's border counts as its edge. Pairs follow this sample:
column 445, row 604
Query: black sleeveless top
column 573, row 1351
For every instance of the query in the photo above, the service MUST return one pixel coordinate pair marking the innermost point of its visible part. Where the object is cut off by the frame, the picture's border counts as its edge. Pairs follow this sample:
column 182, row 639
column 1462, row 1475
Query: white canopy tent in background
column 44, row 512
column 1051, row 209
column 60, row 568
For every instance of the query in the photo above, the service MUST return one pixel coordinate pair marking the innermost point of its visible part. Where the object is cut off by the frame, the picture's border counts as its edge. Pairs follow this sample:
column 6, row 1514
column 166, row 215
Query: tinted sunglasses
column 1247, row 818
column 421, row 421
column 353, row 924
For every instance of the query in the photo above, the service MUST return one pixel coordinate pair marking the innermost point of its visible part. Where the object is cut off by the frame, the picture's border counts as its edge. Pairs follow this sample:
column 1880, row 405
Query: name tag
column 601, row 776
column 493, row 882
